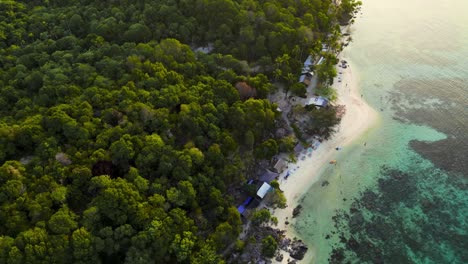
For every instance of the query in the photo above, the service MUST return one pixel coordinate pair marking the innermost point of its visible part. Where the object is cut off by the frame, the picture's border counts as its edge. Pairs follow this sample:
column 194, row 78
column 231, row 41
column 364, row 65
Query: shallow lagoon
column 403, row 197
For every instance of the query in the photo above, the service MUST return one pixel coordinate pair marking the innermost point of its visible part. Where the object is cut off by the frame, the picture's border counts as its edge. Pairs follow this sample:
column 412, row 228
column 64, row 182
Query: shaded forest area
column 118, row 142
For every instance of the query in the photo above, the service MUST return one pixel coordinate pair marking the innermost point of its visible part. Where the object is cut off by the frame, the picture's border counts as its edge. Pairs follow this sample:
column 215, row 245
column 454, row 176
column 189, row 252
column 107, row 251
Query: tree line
column 118, row 142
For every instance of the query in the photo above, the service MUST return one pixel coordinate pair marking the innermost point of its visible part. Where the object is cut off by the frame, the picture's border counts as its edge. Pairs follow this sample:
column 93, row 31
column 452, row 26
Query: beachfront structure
column 268, row 176
column 317, row 101
column 307, row 73
column 304, row 79
column 299, row 147
column 307, row 64
column 280, row 165
column 309, row 61
column 264, row 189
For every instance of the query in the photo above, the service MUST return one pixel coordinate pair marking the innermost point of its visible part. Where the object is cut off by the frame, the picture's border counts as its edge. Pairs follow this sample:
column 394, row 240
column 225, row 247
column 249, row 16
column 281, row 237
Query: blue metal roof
column 247, row 201
column 241, row 209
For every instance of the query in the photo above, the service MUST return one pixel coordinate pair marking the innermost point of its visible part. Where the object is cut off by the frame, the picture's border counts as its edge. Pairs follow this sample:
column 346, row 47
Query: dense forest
column 119, row 142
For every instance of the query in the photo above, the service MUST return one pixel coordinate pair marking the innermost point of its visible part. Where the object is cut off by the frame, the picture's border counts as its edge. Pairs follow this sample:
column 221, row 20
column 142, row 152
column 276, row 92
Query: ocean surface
column 403, row 196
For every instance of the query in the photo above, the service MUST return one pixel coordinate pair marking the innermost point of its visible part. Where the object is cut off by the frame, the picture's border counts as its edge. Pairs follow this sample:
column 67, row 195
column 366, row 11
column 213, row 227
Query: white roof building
column 264, row 189
column 317, row 101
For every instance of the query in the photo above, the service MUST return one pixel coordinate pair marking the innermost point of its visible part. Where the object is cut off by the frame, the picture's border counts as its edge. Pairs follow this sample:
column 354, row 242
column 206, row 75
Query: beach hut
column 280, row 165
column 264, row 189
column 307, row 72
column 299, row 147
column 305, row 79
column 268, row 176
column 317, row 101
column 309, row 61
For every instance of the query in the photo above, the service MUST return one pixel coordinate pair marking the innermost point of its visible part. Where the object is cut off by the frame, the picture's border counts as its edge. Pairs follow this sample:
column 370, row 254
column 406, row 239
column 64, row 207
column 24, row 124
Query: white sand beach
column 358, row 119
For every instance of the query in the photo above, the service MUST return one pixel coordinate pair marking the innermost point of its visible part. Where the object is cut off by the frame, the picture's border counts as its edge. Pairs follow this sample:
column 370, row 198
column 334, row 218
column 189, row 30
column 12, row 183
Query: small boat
column 332, row 161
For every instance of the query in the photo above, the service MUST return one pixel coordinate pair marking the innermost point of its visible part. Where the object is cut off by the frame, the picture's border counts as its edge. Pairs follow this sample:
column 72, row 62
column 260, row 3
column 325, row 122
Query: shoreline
column 358, row 119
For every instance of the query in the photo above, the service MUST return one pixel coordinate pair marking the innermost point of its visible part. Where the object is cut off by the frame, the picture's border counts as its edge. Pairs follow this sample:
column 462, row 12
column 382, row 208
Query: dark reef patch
column 405, row 220
column 443, row 105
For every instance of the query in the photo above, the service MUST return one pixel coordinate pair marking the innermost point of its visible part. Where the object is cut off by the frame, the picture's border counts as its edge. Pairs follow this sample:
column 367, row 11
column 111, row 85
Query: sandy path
column 358, row 119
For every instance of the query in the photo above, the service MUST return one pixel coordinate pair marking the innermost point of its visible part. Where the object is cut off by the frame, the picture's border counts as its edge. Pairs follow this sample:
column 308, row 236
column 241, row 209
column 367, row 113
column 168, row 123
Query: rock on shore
column 298, row 250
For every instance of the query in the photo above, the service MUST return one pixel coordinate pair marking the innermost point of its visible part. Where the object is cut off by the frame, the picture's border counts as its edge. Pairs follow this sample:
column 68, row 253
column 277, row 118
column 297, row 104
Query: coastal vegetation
column 122, row 140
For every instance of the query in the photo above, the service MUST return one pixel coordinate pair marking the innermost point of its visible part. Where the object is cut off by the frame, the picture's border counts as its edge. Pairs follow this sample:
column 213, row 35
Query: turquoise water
column 403, row 197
